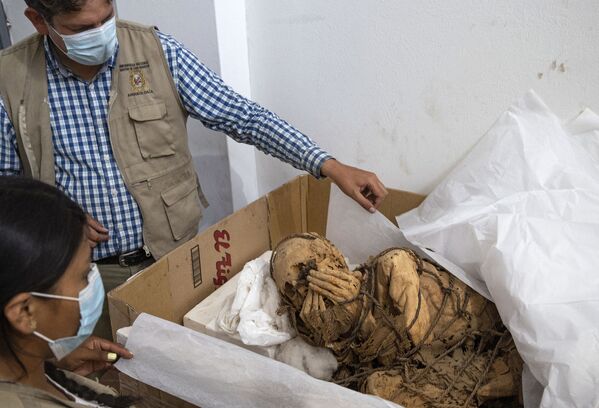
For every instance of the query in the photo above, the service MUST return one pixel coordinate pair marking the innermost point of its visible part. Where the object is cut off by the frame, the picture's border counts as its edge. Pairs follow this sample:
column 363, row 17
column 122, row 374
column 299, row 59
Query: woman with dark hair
column 51, row 297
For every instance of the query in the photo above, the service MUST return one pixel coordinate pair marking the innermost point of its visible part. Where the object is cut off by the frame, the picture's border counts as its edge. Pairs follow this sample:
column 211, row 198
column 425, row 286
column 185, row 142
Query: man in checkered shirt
column 85, row 164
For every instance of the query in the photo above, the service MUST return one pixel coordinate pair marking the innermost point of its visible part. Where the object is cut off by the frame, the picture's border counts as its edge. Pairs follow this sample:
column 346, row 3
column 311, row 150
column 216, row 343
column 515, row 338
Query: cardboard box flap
column 399, row 202
column 286, row 210
column 317, row 204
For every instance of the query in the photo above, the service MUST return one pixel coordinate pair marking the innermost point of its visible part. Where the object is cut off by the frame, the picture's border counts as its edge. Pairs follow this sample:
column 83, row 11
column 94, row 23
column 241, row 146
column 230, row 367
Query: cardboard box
column 180, row 280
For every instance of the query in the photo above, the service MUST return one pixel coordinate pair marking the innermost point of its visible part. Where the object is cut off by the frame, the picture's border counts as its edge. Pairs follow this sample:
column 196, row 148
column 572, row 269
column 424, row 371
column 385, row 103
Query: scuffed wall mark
column 555, row 66
column 432, row 110
column 361, row 158
column 388, row 124
column 402, row 164
column 389, row 134
column 561, row 67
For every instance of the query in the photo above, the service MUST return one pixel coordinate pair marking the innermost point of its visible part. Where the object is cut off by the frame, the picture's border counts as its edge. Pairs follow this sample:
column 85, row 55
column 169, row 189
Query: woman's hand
column 93, row 355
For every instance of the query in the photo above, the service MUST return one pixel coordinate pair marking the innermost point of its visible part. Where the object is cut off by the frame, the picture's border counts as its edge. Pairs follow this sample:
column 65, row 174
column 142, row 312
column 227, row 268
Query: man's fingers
column 93, row 235
column 380, row 192
column 375, row 191
column 96, row 231
column 363, row 201
column 386, row 192
column 93, row 223
column 363, row 186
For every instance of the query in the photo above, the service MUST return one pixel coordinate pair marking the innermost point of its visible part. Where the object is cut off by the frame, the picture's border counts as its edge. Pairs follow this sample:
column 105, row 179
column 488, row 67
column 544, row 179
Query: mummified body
column 401, row 327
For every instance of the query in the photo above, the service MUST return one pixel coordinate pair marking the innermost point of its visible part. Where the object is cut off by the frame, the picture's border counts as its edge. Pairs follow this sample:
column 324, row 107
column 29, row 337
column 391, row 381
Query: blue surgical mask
column 91, row 47
column 91, row 300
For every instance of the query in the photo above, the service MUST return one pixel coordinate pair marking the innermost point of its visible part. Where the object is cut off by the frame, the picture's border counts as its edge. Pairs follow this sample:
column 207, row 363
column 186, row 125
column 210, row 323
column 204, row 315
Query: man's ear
column 37, row 20
column 18, row 313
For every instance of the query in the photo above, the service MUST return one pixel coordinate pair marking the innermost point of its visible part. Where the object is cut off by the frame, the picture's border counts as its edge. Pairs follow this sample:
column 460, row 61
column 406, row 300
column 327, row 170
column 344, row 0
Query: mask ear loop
column 41, row 336
column 49, row 296
column 93, row 267
column 65, row 52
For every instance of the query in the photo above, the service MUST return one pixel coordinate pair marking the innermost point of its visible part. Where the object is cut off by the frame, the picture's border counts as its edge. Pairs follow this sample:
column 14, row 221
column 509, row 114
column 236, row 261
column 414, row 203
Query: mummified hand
column 336, row 286
column 312, row 311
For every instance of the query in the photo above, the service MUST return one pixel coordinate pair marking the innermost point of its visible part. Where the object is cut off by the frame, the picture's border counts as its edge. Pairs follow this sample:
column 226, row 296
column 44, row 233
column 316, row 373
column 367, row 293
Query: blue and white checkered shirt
column 84, row 162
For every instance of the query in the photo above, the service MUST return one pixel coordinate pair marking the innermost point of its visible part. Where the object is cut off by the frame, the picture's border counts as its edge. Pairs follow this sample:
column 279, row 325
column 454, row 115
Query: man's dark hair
column 50, row 8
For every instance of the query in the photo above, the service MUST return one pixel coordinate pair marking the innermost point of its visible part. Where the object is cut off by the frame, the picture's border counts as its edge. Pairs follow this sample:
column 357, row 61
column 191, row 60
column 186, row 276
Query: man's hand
column 93, row 355
column 96, row 232
column 363, row 186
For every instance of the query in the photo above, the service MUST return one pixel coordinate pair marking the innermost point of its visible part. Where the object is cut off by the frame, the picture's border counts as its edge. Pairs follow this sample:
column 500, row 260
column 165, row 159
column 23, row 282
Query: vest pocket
column 183, row 209
column 154, row 134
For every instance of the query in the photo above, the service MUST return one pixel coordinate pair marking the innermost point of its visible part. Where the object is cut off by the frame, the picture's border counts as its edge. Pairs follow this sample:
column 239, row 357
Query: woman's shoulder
column 15, row 395
column 9, row 396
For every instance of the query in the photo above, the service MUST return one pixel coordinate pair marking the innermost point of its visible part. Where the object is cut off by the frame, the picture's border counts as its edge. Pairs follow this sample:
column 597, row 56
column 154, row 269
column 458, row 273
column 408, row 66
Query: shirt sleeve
column 208, row 99
column 10, row 165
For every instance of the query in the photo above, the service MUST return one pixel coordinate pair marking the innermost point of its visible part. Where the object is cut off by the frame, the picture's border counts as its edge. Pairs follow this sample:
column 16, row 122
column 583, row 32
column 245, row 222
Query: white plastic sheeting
column 212, row 373
column 521, row 214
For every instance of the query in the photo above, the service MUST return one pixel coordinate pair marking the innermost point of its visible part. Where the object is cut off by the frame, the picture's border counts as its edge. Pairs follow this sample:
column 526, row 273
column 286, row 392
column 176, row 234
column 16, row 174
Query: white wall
column 233, row 55
column 405, row 88
column 20, row 27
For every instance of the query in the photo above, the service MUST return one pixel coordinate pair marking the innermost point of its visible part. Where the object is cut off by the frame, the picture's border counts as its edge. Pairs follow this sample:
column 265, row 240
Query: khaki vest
column 147, row 126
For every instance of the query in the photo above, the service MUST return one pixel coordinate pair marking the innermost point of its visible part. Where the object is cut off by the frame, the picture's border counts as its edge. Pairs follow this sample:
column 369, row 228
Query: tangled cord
column 404, row 360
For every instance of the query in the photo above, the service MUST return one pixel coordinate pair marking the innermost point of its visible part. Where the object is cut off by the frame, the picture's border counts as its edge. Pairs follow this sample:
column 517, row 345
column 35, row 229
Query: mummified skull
column 295, row 257
column 313, row 278
column 396, row 316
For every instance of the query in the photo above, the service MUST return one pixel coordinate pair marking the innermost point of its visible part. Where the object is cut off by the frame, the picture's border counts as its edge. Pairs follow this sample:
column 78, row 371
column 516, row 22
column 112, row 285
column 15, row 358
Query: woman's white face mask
column 91, row 300
column 91, row 47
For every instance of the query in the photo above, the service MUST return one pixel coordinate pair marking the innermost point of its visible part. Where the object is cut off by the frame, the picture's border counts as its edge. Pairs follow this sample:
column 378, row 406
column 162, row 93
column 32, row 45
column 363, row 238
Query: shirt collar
column 53, row 64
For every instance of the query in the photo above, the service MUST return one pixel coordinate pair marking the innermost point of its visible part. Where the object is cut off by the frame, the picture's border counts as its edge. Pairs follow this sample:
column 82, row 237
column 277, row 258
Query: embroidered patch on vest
column 137, row 78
